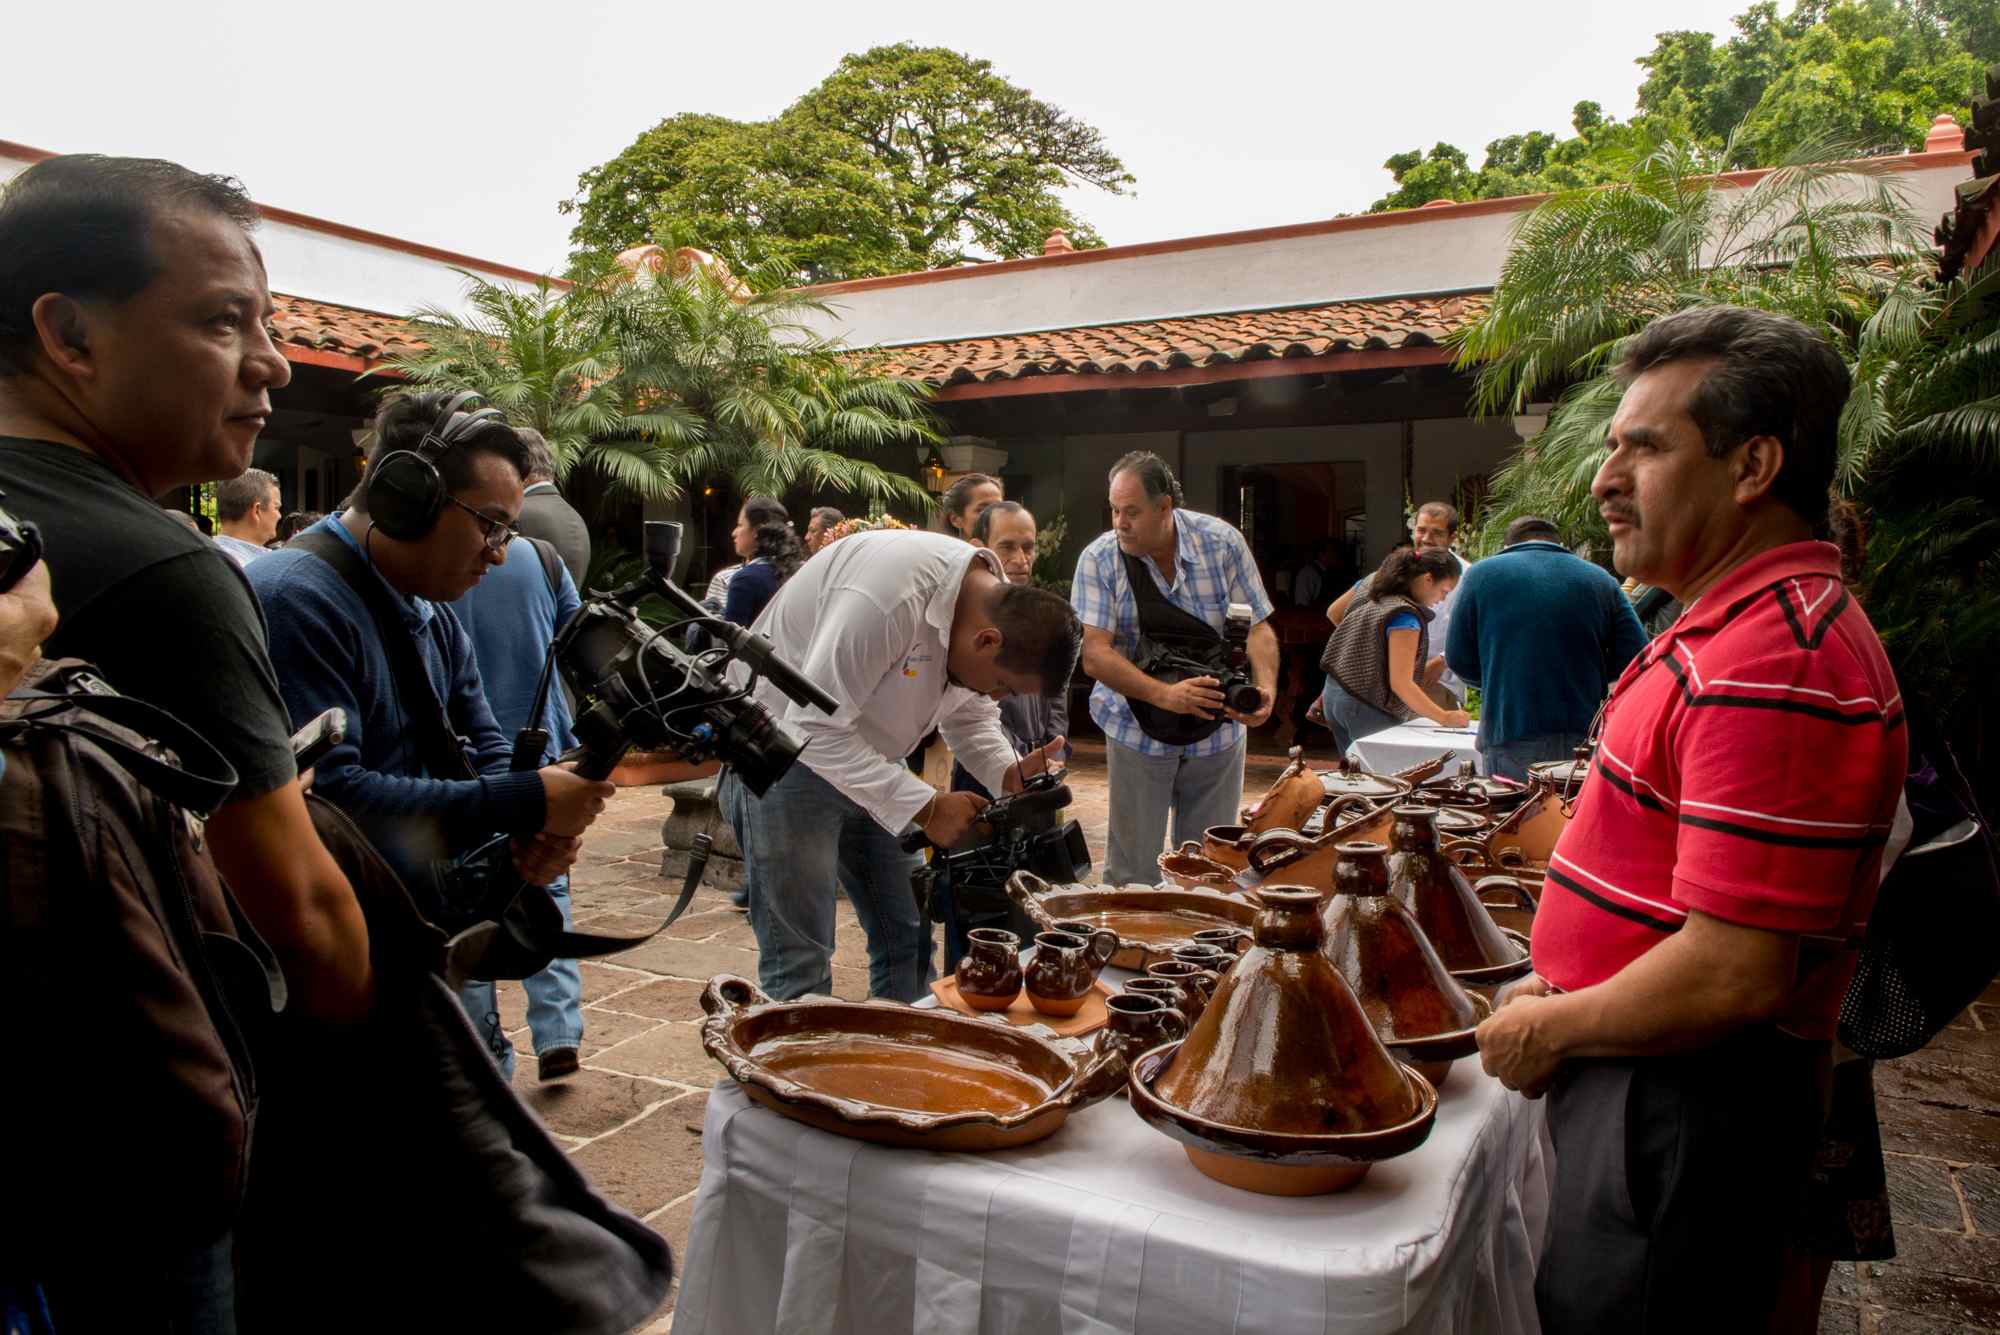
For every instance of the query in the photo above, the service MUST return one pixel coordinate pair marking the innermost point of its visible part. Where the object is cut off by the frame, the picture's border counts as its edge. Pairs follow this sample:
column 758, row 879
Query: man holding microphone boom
column 908, row 632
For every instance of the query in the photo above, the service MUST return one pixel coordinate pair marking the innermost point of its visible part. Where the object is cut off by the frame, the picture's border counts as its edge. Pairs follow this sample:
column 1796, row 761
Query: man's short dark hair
column 1444, row 510
column 402, row 423
column 80, row 225
column 1530, row 528
column 1772, row 376
column 541, row 459
column 1153, row 475
column 1039, row 633
column 826, row 515
column 240, row 495
column 982, row 527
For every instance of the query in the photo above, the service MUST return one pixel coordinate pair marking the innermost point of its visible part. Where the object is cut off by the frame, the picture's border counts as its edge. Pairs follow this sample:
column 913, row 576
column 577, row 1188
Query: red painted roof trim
column 1072, row 382
column 1324, row 227
column 380, row 240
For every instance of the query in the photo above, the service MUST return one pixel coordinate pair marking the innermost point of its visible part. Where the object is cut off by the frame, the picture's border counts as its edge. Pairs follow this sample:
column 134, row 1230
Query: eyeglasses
column 497, row 532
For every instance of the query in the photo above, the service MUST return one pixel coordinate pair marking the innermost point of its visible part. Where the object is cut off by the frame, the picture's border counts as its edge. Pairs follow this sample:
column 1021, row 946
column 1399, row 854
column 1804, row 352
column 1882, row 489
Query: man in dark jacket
column 1543, row 634
column 546, row 515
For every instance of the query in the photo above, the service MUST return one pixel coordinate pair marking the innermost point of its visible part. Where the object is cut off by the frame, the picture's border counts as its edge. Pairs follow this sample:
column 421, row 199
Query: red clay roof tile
column 324, row 327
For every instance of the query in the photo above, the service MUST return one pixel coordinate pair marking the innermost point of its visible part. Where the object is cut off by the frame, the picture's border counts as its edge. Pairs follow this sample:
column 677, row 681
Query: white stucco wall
column 1420, row 251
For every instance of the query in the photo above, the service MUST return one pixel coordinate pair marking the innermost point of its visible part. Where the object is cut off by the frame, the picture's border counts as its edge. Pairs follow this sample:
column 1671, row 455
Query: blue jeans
column 801, row 838
column 1198, row 791
column 1511, row 761
column 1351, row 718
column 555, row 1003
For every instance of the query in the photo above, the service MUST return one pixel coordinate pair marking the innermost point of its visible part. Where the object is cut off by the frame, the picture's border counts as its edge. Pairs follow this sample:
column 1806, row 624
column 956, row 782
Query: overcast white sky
column 462, row 124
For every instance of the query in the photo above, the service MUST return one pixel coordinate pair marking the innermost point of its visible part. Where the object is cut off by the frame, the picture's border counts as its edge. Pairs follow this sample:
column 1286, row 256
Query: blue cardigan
column 327, row 653
column 1543, row 633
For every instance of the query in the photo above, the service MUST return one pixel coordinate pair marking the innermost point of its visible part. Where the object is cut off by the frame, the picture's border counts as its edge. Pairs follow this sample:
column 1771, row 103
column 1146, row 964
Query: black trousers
column 1678, row 1186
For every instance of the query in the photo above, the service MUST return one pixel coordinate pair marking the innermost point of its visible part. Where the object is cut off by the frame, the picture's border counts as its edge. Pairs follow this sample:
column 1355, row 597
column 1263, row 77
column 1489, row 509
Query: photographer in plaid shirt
column 1201, row 564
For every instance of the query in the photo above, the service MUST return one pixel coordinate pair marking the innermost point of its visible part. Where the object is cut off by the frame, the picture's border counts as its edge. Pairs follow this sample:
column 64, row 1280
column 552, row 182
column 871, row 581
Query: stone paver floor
column 632, row 1115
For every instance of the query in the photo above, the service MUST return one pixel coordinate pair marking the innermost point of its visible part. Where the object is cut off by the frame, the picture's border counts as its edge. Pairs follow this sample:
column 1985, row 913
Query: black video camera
column 20, row 548
column 636, row 686
column 1027, row 834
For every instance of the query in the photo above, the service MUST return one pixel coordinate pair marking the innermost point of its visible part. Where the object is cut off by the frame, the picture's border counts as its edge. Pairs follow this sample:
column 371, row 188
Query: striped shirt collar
column 1793, row 560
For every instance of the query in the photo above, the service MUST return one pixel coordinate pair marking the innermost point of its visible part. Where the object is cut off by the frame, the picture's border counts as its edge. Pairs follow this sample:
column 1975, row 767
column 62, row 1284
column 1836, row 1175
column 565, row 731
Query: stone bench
column 695, row 812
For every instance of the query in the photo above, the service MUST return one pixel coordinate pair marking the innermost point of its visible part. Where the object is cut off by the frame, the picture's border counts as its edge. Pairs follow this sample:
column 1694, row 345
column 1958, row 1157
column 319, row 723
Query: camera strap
column 438, row 744
column 1170, row 637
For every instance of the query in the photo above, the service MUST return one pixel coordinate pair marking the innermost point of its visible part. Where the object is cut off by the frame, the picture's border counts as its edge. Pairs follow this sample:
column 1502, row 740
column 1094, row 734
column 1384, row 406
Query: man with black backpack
column 1696, row 931
column 360, row 621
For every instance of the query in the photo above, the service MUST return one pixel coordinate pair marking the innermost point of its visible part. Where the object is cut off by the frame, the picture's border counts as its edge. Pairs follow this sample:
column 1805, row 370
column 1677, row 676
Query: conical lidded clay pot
column 1283, row 1046
column 1433, row 888
column 1417, row 1008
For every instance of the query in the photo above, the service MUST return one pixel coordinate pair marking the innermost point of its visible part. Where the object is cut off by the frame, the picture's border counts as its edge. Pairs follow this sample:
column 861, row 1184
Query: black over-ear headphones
column 406, row 493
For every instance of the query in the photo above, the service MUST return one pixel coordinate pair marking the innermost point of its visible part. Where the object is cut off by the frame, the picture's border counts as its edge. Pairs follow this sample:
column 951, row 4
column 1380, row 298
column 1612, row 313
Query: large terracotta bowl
column 897, row 1075
column 1276, row 1163
column 1151, row 923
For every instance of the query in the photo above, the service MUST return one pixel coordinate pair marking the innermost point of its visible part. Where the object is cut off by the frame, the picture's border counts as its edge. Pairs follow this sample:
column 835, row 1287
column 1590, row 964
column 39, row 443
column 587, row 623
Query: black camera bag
column 1174, row 646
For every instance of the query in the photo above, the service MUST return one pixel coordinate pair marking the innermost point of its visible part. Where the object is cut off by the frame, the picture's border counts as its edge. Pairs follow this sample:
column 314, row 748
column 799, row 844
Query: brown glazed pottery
column 1191, row 869
column 1280, row 858
column 1425, row 769
column 1149, row 922
column 1420, row 1012
column 1232, row 939
column 1290, row 800
column 899, row 1075
column 1063, row 969
column 1348, row 780
column 1183, row 999
column 1282, row 1086
column 1140, row 1023
column 1441, row 897
column 1208, row 956
column 1200, row 982
column 989, row 973
column 1230, row 844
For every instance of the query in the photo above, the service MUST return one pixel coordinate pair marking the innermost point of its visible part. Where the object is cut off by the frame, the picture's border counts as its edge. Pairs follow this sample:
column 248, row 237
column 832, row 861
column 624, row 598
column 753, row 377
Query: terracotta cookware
column 1290, row 799
column 1420, row 1012
column 1441, row 896
column 1282, row 1086
column 1149, row 922
column 899, row 1075
column 1192, row 869
column 1064, row 968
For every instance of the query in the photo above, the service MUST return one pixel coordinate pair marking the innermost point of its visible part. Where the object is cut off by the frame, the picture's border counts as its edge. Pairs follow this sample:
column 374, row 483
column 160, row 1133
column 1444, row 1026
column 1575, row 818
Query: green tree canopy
column 903, row 158
column 1872, row 73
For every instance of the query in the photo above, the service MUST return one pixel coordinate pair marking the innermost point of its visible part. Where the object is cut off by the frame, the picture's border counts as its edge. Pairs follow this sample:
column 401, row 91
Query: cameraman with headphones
column 356, row 606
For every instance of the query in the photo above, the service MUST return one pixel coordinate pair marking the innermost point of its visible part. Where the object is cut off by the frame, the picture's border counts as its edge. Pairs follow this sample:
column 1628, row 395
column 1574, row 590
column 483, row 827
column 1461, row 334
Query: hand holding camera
column 573, row 801
column 952, row 817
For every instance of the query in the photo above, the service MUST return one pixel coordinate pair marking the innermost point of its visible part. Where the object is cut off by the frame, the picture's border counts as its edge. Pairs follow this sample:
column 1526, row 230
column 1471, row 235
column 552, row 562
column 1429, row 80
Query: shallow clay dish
column 1150, row 923
column 1276, row 1163
column 1088, row 1020
column 898, row 1075
column 1191, row 869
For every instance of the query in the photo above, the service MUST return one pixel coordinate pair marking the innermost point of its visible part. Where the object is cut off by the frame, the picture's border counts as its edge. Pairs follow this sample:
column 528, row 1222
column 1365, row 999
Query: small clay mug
column 1232, row 939
column 1213, row 958
column 1063, row 969
column 1199, row 982
column 1076, row 927
column 1140, row 1023
column 1170, row 991
column 989, row 973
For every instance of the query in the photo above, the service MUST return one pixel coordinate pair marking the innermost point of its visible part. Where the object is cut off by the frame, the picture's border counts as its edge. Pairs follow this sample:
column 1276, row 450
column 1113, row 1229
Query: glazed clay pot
column 1441, row 897
column 1199, row 982
column 1171, row 991
column 1139, row 1023
column 1232, row 939
column 1419, row 1011
column 1192, row 869
column 989, row 973
column 1206, row 956
column 1229, row 844
column 1063, row 969
column 1282, row 1086
column 1291, row 799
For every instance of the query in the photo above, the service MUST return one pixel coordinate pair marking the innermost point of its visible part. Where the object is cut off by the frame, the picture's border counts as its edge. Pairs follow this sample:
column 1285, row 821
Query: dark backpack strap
column 437, row 742
column 552, row 566
column 1159, row 618
column 201, row 782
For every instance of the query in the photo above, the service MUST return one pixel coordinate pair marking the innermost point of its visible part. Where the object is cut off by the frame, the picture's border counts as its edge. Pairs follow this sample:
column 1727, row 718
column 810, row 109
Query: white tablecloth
column 1412, row 743
column 1105, row 1227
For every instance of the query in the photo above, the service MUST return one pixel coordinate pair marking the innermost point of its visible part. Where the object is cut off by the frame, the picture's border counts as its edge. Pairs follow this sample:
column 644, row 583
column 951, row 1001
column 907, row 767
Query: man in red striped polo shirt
column 1728, row 840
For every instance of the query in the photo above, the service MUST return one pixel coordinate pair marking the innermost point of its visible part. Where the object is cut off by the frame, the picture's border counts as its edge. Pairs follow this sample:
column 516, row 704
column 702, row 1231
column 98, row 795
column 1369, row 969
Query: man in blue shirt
column 1542, row 633
column 329, row 651
column 1201, row 565
column 513, row 615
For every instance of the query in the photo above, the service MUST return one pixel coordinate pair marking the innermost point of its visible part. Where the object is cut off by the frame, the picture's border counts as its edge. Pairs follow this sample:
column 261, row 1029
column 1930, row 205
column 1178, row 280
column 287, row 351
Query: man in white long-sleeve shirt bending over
column 909, row 632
